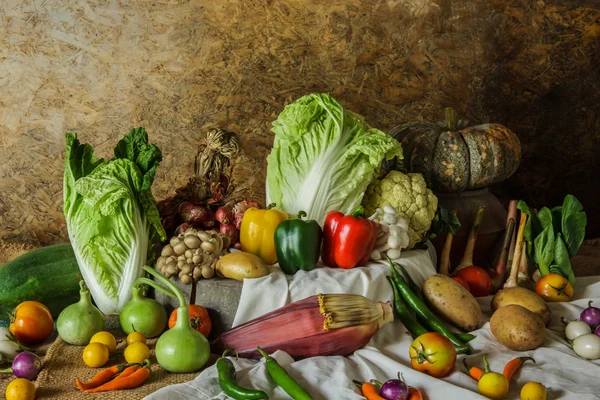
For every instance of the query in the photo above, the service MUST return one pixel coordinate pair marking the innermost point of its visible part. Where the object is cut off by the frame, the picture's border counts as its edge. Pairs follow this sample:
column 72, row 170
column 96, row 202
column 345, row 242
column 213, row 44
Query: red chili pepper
column 348, row 240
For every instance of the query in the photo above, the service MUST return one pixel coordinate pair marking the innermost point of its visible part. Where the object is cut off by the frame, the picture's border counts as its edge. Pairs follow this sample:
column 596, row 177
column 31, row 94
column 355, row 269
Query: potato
column 518, row 328
column 452, row 301
column 525, row 298
column 240, row 265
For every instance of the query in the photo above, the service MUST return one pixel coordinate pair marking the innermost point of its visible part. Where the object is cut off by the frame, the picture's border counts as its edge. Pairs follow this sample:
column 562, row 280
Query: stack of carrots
column 117, row 377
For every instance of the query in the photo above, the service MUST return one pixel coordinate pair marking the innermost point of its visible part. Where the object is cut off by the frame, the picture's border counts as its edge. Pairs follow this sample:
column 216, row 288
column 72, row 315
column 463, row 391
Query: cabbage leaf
column 111, row 214
column 323, row 158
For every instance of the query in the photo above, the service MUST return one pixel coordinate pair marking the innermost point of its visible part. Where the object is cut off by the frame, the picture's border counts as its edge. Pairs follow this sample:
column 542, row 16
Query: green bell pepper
column 298, row 244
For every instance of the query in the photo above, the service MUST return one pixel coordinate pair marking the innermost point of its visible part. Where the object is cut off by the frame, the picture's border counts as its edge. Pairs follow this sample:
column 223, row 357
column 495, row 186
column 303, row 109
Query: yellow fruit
column 134, row 337
column 95, row 355
column 137, row 352
column 107, row 339
column 493, row 386
column 20, row 389
column 533, row 391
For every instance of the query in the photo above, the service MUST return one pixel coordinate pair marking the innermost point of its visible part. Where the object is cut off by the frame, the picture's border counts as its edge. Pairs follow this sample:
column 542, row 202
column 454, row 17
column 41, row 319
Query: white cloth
column 330, row 378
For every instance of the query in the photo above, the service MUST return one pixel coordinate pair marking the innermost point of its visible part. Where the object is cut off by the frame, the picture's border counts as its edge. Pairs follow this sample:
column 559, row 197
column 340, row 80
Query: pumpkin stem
column 451, row 119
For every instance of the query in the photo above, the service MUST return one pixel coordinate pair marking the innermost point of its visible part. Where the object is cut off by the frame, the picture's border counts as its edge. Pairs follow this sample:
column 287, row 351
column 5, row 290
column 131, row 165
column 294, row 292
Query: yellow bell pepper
column 257, row 232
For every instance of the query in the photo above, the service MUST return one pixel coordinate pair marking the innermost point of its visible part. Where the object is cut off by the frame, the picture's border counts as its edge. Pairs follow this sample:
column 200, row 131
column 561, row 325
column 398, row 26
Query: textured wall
column 176, row 67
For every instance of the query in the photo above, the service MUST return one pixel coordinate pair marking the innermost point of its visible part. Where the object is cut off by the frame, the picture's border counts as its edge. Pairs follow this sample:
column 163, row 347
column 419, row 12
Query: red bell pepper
column 348, row 240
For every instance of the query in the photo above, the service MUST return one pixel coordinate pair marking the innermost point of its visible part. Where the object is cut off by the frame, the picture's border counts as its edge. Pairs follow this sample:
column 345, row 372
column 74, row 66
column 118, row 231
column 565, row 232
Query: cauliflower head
column 408, row 193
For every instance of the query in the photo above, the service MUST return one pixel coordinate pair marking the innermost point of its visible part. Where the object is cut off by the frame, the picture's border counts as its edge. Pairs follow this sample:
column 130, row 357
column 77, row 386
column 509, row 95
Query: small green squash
column 454, row 156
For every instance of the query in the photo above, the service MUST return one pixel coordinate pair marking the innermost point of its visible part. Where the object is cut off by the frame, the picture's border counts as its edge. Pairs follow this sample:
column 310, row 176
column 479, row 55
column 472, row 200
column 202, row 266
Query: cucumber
column 49, row 275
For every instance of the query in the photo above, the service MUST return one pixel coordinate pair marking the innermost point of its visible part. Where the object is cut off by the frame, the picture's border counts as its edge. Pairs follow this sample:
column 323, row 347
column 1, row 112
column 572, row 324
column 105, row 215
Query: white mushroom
column 390, row 210
column 167, row 251
column 389, row 219
column 375, row 255
column 180, row 248
column 192, row 241
column 394, row 253
column 394, row 242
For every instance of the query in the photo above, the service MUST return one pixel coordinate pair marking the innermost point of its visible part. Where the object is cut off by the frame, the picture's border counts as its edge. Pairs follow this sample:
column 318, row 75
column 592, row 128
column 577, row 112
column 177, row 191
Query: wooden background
column 100, row 67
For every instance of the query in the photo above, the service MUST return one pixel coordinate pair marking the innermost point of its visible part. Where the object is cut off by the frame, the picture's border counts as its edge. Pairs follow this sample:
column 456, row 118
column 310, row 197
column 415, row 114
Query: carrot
column 369, row 390
column 474, row 372
column 127, row 382
column 103, row 376
column 414, row 393
column 513, row 366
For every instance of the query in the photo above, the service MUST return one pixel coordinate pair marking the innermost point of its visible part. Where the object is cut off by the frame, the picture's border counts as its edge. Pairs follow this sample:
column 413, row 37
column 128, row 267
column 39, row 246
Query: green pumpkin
column 454, row 156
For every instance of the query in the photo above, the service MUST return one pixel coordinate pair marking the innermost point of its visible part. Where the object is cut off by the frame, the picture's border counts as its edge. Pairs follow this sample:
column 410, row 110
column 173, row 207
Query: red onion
column 231, row 231
column 26, row 365
column 224, row 214
column 191, row 212
column 237, row 219
column 183, row 227
column 591, row 316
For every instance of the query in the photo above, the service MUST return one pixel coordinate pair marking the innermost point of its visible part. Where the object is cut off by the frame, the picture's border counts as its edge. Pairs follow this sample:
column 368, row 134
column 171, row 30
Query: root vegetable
column 518, row 328
column 190, row 212
column 524, row 298
column 241, row 265
column 230, row 231
column 445, row 257
column 224, row 214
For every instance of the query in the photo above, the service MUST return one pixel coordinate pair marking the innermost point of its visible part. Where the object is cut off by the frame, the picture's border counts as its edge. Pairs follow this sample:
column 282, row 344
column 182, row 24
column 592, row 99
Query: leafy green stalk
column 111, row 214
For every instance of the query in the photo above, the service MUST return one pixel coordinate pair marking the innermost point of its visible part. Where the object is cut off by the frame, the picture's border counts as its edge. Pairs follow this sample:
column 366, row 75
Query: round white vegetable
column 390, row 210
column 587, row 346
column 9, row 349
column 575, row 329
column 394, row 253
column 5, row 333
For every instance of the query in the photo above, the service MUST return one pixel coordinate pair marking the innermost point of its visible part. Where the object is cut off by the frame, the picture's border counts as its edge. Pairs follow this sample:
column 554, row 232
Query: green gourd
column 142, row 314
column 77, row 323
column 181, row 349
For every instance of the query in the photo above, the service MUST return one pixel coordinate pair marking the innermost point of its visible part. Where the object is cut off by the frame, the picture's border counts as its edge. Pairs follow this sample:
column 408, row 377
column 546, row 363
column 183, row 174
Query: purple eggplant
column 26, row 365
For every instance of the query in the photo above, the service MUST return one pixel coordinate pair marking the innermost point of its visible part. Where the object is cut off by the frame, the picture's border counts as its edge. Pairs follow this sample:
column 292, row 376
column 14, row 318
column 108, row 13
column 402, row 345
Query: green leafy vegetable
column 563, row 260
column 573, row 224
column 554, row 236
column 323, row 157
column 544, row 249
column 443, row 222
column 111, row 214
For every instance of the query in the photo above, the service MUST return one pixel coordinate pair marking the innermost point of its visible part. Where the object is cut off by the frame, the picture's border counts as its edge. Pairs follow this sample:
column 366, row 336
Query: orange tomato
column 199, row 319
column 554, row 288
column 31, row 322
column 479, row 281
column 433, row 354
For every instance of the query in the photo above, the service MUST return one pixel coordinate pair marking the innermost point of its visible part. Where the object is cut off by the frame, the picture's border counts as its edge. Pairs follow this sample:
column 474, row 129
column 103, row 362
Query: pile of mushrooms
column 392, row 236
column 192, row 255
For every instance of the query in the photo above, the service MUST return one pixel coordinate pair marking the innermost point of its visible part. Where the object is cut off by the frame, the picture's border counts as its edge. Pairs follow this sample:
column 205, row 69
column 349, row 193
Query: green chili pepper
column 298, row 244
column 414, row 328
column 283, row 379
column 424, row 313
column 226, row 371
column 411, row 284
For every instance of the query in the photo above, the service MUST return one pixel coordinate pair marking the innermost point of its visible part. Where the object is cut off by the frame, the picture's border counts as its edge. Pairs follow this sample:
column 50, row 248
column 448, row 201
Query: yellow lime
column 134, row 337
column 107, row 339
column 137, row 352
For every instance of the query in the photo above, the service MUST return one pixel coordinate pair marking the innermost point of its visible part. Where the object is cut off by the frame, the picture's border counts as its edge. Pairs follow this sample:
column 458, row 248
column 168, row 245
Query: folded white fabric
column 330, row 378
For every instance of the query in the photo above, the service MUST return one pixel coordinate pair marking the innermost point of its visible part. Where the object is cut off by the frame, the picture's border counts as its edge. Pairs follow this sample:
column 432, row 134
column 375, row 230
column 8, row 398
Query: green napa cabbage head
column 323, row 157
column 111, row 214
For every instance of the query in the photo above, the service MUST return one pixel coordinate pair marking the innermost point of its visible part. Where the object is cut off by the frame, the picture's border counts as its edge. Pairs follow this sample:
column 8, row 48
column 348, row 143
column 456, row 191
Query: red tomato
column 553, row 288
column 31, row 322
column 199, row 319
column 433, row 354
column 462, row 282
column 479, row 281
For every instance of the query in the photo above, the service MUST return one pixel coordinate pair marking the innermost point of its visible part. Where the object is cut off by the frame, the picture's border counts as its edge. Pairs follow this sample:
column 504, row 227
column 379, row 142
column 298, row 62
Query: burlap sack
column 62, row 363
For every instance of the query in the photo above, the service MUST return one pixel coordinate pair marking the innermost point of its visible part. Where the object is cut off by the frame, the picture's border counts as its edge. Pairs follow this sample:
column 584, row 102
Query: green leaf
column 544, row 249
column 557, row 219
column 545, row 217
column 573, row 224
column 562, row 259
column 323, row 157
column 443, row 222
column 535, row 227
